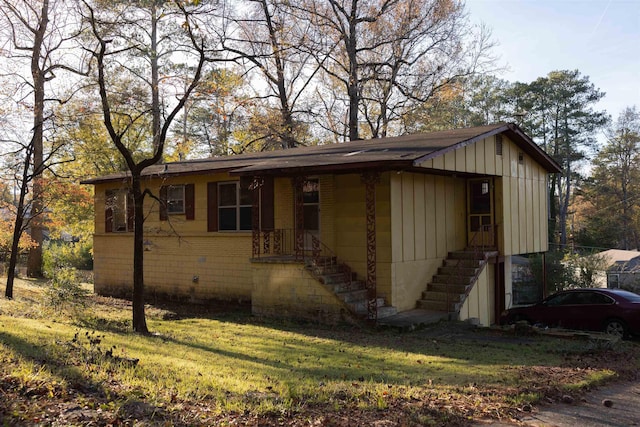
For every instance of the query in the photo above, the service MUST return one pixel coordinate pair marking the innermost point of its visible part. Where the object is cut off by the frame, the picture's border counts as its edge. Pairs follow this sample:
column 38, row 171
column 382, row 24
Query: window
column 118, row 211
column 234, row 207
column 177, row 200
column 229, row 205
column 499, row 145
column 521, row 158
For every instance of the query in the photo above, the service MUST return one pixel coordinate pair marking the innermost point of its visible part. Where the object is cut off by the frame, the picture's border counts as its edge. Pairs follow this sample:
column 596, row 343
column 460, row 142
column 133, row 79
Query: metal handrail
column 283, row 243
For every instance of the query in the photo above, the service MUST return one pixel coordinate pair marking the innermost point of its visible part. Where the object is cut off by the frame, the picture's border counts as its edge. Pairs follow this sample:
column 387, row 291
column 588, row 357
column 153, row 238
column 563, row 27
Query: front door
column 480, row 224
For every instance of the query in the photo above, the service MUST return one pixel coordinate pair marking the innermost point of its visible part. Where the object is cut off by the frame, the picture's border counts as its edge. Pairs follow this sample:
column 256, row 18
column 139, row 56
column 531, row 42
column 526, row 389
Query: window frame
column 188, row 201
column 118, row 201
column 237, row 206
column 171, row 201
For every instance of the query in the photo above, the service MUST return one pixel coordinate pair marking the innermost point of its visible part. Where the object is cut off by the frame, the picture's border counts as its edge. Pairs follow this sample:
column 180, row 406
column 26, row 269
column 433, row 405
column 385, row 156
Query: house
column 365, row 228
column 623, row 269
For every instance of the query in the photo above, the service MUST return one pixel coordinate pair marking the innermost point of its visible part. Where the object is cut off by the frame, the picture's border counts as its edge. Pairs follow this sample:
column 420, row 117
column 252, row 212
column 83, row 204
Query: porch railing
column 286, row 244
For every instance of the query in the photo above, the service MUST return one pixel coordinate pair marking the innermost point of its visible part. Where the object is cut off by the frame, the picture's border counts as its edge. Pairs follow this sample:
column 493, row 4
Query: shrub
column 566, row 270
column 59, row 254
column 65, row 291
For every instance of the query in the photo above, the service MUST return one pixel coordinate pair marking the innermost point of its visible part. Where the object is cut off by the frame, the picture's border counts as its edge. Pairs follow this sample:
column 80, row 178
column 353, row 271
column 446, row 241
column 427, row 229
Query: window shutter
column 267, row 204
column 212, row 206
column 189, row 201
column 108, row 220
column 163, row 203
column 131, row 212
column 245, row 182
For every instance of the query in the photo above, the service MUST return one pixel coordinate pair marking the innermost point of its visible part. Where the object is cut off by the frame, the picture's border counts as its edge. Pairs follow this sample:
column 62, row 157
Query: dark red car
column 613, row 311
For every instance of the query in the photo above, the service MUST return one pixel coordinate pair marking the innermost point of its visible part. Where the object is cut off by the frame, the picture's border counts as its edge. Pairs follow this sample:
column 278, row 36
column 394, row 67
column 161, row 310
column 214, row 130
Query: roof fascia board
column 539, row 153
column 127, row 175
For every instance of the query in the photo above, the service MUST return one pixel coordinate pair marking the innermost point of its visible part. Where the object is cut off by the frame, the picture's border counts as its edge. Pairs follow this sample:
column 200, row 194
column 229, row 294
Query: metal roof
column 402, row 152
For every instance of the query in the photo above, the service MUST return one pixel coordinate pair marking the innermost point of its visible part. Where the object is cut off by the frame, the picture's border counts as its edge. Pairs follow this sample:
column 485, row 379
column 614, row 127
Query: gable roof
column 402, row 152
column 620, row 259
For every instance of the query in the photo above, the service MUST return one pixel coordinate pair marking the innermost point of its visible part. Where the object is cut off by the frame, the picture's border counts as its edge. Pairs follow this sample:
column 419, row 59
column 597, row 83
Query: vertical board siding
column 470, row 157
column 430, row 213
column 522, row 214
column 537, row 229
column 461, row 159
column 408, row 215
column 396, row 215
column 430, row 216
column 441, row 218
column 490, row 157
column 523, row 205
column 420, row 220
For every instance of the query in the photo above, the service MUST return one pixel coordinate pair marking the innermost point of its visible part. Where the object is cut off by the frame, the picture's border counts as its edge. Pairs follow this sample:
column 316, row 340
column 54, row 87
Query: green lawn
column 222, row 366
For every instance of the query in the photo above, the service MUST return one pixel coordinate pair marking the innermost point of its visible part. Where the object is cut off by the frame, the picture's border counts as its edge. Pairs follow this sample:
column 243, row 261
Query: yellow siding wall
column 288, row 290
column 480, row 304
column 283, row 204
column 182, row 258
column 428, row 218
column 350, row 226
column 520, row 191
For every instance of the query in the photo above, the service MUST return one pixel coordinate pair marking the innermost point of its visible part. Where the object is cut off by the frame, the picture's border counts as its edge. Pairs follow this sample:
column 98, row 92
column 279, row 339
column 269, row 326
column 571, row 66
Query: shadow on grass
column 340, row 352
column 82, row 399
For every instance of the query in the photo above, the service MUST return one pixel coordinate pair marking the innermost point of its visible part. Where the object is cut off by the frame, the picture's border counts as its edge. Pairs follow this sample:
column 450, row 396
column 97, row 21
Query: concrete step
column 457, row 270
column 445, row 287
column 355, row 285
column 386, row 311
column 381, row 312
column 361, row 307
column 452, row 279
column 353, row 296
column 321, row 261
column 441, row 296
column 327, row 269
column 473, row 255
column 333, row 278
column 435, row 305
column 462, row 263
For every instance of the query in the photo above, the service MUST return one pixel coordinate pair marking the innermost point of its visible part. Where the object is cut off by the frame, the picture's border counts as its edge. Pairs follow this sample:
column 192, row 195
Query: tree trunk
column 353, row 86
column 139, row 320
column 34, row 264
column 13, row 259
column 155, row 81
column 17, row 226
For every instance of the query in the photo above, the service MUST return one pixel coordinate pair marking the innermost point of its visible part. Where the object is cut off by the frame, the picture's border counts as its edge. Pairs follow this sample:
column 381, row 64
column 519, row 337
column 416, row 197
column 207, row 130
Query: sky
column 600, row 38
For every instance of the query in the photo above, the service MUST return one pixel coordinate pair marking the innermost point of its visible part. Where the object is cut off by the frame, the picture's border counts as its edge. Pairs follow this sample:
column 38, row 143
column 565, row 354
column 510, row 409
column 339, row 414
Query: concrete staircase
column 450, row 286
column 339, row 279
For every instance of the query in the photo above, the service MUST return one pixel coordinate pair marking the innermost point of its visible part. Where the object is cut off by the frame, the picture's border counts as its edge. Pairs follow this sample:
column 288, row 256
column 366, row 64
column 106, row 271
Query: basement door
column 480, row 208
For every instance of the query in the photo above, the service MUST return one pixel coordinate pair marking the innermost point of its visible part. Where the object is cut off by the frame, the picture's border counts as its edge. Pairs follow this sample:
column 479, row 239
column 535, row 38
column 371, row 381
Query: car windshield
column 629, row 296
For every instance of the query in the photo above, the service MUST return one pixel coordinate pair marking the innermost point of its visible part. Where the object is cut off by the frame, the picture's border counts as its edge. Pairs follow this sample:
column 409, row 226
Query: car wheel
column 615, row 328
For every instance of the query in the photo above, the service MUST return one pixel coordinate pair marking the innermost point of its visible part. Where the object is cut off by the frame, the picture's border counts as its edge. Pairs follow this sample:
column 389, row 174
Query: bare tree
column 389, row 56
column 39, row 34
column 265, row 36
column 136, row 39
